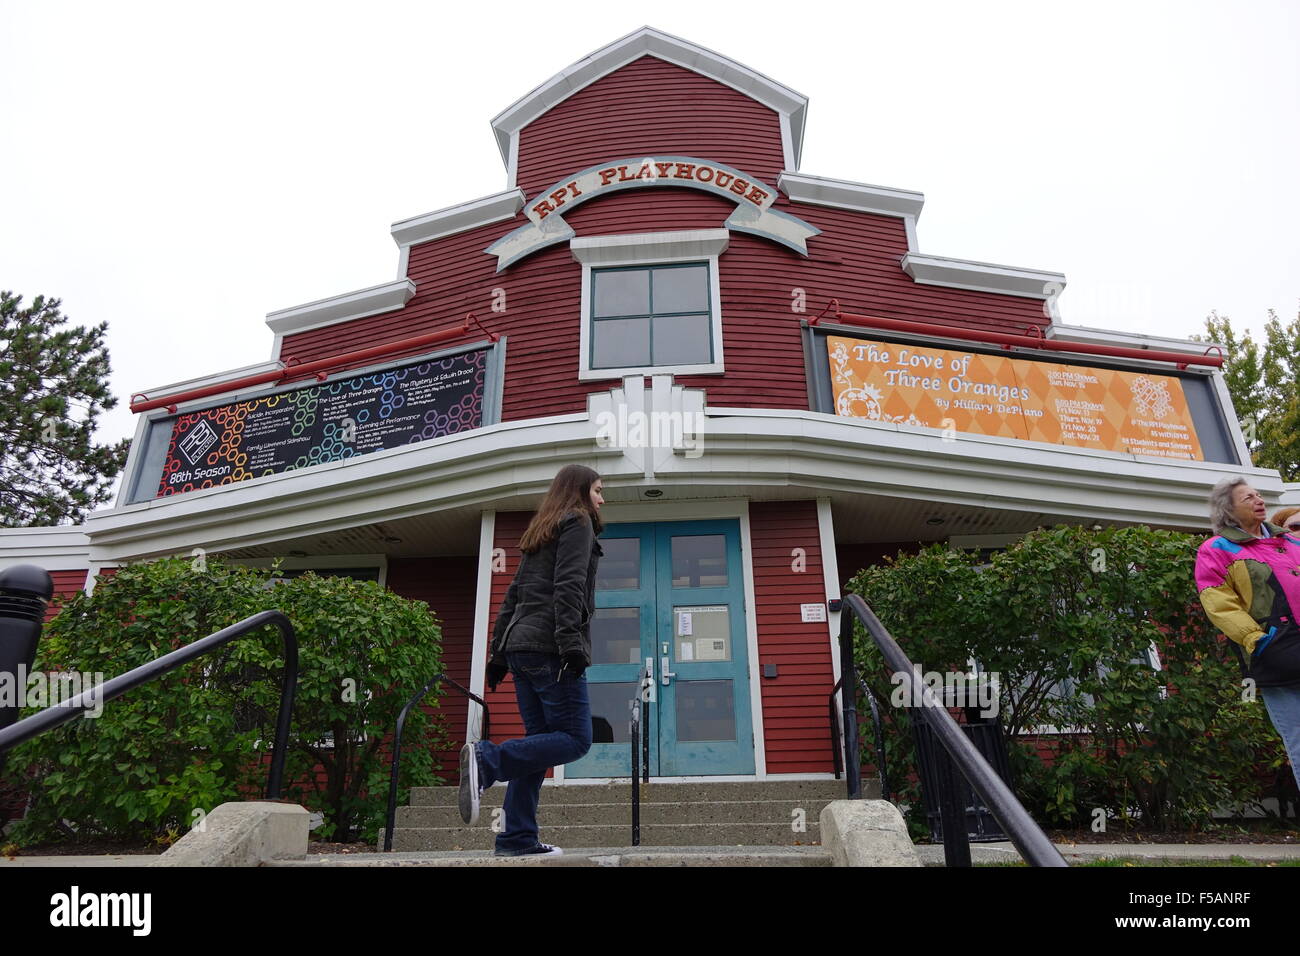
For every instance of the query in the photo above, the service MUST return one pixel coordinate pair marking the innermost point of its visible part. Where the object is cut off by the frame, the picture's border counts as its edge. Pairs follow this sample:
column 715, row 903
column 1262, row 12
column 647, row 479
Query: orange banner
column 1110, row 409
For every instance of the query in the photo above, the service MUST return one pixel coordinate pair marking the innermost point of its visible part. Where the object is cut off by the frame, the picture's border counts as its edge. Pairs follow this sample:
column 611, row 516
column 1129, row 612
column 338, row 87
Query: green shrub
column 164, row 754
column 1068, row 608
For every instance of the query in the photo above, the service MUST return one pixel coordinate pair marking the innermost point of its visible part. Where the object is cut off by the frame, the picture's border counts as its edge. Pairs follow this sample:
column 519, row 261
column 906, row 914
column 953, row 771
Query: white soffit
column 1132, row 340
column 843, row 194
column 982, row 276
column 647, row 40
column 649, row 246
column 340, row 308
column 454, row 219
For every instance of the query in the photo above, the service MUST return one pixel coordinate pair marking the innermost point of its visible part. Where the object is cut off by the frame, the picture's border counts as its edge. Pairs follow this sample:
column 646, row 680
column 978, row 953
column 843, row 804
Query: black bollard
column 25, row 591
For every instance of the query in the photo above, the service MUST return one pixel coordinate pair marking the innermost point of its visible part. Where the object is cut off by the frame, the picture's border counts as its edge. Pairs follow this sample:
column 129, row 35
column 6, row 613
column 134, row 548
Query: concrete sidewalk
column 932, row 855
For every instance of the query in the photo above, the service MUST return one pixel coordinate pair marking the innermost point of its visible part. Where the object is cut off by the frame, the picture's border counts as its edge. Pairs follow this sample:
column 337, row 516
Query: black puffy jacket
column 549, row 605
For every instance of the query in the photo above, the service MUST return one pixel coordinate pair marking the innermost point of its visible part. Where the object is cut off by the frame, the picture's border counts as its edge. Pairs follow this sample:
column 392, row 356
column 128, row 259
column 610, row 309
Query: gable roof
column 791, row 106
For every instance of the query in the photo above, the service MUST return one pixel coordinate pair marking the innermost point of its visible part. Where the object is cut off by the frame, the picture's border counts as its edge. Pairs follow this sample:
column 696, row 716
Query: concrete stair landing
column 781, row 813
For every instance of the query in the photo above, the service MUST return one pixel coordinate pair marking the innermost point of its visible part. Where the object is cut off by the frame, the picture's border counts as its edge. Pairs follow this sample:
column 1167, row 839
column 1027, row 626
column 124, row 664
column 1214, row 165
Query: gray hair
column 1222, row 513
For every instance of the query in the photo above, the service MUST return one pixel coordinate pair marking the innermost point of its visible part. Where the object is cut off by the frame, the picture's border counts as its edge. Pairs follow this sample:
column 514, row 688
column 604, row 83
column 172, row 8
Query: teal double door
column 670, row 606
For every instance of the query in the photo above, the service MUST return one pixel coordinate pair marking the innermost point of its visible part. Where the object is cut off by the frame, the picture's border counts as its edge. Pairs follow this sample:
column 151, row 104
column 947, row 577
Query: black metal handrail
column 640, row 739
column 485, row 734
column 59, row 714
column 1027, row 835
column 838, row 756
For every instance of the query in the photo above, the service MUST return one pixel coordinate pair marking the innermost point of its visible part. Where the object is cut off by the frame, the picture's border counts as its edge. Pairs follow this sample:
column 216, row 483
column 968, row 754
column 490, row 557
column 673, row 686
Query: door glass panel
column 620, row 565
column 702, row 633
column 616, row 635
column 705, row 710
column 700, row 561
column 611, row 711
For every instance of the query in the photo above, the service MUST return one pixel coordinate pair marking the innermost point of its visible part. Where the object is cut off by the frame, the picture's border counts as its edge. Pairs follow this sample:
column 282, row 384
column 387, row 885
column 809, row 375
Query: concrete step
column 482, row 837
column 619, row 814
column 588, row 856
column 655, row 791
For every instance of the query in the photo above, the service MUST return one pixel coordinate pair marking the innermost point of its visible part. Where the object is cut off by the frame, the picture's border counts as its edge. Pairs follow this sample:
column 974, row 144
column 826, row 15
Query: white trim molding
column 843, row 194
column 789, row 105
column 342, row 308
column 1130, row 340
column 458, row 218
column 61, row 548
column 650, row 249
column 983, row 276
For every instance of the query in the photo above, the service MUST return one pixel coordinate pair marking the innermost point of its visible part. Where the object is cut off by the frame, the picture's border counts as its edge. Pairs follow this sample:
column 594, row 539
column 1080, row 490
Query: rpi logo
column 197, row 442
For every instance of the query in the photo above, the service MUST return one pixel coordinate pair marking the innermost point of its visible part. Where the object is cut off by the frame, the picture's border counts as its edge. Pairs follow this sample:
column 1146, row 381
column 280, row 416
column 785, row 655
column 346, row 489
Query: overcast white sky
column 180, row 170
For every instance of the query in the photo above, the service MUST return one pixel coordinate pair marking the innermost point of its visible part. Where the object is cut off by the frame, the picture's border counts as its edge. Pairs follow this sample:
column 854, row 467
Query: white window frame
column 650, row 249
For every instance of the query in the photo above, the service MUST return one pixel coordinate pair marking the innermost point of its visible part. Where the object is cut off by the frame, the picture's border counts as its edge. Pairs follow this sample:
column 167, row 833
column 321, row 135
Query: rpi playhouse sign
column 753, row 199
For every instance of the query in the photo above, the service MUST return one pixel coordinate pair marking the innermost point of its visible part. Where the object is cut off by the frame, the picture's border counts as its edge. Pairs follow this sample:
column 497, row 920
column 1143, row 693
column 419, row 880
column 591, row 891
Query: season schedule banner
column 1110, row 409
column 329, row 422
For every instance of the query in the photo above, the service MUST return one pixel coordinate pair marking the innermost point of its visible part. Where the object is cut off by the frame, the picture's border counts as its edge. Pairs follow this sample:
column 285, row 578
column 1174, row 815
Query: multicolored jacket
column 1250, row 587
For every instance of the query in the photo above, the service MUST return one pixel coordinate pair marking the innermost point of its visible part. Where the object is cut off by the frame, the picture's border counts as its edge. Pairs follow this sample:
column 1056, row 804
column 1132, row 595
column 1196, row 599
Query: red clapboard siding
column 856, row 259
column 796, row 731
column 448, row 586
column 66, row 585
column 650, row 106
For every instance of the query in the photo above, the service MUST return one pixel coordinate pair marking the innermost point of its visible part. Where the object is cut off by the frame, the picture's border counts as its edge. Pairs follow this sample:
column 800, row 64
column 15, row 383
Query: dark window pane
column 622, row 292
column 616, row 635
column 620, row 342
column 700, row 561
column 620, row 566
column 705, row 710
column 681, row 339
column 611, row 712
column 684, row 289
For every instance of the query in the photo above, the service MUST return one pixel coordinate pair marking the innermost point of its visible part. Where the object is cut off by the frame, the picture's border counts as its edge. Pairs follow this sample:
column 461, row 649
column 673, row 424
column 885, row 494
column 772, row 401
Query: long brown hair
column 569, row 491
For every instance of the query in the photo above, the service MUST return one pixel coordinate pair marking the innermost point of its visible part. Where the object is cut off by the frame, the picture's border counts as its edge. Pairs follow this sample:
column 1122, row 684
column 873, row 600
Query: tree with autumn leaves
column 53, row 387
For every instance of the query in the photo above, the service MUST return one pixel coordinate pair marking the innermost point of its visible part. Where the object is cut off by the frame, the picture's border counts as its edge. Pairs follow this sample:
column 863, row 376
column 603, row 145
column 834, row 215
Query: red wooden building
column 775, row 383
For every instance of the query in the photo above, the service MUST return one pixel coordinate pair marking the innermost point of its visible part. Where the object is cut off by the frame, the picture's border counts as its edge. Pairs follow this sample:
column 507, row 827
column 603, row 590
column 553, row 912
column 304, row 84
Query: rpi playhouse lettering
column 753, row 200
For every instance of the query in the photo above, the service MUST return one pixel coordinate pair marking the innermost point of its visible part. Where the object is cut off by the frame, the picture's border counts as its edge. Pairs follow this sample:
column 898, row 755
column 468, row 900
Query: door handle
column 648, row 681
column 664, row 673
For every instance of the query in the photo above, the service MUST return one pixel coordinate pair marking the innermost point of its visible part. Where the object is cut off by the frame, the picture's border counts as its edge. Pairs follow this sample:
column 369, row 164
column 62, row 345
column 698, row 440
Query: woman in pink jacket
column 1248, row 576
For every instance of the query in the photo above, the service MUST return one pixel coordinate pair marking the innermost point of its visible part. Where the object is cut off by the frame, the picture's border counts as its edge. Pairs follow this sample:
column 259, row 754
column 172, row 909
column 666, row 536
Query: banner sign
column 327, row 422
column 1115, row 410
column 753, row 198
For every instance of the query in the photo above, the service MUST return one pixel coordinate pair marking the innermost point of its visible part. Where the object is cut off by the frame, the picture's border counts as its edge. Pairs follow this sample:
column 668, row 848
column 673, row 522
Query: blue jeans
column 557, row 721
column 1283, row 705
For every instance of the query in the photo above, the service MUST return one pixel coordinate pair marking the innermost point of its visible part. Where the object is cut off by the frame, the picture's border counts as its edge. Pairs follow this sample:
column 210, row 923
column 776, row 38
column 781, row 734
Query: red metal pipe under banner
column 143, row 403
column 1009, row 340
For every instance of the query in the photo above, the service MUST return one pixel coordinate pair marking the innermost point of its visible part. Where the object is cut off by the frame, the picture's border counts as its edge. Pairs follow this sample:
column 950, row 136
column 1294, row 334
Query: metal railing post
column 636, row 732
column 396, row 765
column 1027, row 835
column 849, row 708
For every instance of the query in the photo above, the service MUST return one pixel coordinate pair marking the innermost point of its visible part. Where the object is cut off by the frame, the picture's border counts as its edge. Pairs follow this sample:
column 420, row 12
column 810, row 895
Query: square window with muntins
column 653, row 315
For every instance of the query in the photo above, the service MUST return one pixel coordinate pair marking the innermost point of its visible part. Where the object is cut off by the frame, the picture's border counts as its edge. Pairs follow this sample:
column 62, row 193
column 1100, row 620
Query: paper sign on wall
column 812, row 612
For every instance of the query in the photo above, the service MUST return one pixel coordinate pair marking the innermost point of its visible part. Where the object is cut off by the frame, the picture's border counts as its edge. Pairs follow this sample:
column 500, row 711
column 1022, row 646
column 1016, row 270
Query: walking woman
column 1248, row 576
column 542, row 637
